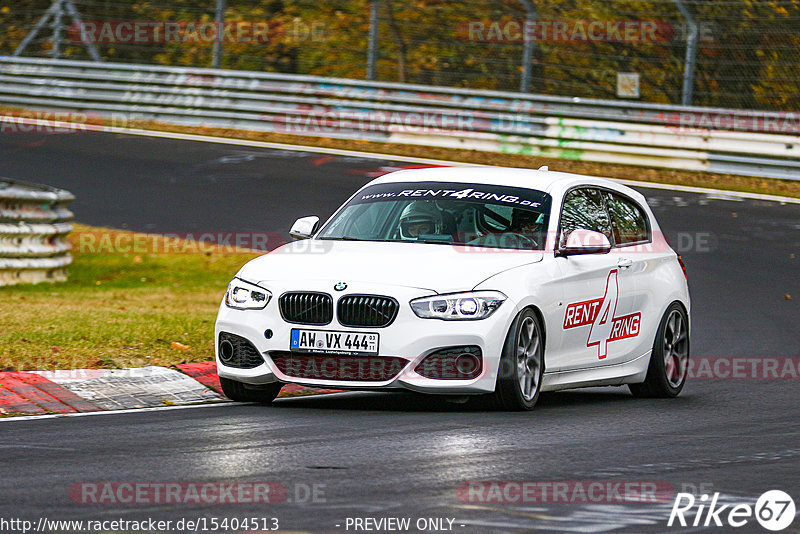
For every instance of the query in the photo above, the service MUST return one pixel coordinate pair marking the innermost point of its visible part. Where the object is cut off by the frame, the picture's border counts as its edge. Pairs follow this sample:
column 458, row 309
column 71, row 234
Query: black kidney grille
column 366, row 310
column 307, row 308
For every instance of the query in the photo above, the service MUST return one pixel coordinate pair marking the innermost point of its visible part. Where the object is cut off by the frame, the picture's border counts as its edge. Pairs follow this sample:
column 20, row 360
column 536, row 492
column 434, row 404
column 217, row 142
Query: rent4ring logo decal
column 601, row 315
column 461, row 192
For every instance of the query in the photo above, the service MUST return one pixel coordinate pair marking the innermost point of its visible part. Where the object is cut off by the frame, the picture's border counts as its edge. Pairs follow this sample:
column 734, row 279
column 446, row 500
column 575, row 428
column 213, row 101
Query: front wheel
column 519, row 376
column 237, row 391
column 669, row 361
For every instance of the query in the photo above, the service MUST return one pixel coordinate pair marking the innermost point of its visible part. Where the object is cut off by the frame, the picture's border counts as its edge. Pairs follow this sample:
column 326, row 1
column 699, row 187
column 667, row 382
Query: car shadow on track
column 415, row 402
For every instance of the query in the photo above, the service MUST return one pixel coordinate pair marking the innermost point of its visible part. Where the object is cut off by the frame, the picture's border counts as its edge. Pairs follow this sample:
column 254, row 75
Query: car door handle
column 624, row 263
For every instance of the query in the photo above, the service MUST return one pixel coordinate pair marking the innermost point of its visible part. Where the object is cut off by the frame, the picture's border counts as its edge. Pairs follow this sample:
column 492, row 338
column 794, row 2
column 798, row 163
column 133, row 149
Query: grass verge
column 119, row 309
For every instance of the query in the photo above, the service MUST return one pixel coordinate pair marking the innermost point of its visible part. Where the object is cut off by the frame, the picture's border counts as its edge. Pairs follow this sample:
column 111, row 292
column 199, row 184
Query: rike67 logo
column 601, row 314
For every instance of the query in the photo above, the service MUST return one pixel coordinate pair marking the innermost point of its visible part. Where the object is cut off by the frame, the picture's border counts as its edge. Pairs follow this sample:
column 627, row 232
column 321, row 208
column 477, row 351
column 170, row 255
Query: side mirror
column 304, row 227
column 581, row 241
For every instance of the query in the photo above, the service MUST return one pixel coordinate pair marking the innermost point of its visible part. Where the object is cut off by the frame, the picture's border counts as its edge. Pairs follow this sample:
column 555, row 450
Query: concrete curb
column 92, row 390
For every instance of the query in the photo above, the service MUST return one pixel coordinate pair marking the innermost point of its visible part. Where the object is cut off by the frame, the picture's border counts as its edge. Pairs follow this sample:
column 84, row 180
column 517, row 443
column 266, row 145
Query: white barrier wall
column 729, row 141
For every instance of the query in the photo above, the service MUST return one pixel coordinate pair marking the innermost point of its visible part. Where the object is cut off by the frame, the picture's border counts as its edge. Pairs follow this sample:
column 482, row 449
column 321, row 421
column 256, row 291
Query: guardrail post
column 372, row 52
column 220, row 21
column 56, row 13
column 691, row 54
column 528, row 40
column 35, row 30
column 58, row 28
column 76, row 18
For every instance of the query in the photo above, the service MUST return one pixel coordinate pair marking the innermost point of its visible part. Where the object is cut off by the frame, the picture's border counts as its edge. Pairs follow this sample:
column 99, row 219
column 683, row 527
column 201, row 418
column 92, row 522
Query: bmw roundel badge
column 341, row 286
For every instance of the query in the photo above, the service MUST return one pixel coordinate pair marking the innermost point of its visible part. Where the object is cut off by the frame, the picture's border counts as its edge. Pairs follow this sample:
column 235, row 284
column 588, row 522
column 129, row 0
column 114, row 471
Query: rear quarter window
column 629, row 220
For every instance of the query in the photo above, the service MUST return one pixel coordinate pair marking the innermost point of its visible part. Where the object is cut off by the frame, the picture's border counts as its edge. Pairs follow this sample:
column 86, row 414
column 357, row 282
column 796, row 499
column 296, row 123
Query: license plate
column 331, row 342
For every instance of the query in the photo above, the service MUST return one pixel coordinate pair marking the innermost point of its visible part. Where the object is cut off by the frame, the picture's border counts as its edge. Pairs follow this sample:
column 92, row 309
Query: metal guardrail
column 33, row 232
column 717, row 140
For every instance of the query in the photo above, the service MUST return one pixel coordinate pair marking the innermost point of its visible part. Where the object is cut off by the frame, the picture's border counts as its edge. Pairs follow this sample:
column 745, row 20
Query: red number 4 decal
column 600, row 333
column 601, row 314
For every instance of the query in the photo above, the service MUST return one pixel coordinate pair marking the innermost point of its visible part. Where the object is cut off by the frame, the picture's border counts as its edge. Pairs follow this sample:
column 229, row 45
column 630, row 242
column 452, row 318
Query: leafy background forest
column 748, row 51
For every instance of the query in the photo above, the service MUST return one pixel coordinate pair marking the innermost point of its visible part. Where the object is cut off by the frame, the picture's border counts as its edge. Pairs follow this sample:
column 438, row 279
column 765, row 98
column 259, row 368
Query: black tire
column 508, row 394
column 237, row 391
column 666, row 374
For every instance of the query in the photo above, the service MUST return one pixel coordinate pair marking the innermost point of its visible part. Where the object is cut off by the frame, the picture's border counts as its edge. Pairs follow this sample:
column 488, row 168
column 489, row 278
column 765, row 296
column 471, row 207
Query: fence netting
column 747, row 52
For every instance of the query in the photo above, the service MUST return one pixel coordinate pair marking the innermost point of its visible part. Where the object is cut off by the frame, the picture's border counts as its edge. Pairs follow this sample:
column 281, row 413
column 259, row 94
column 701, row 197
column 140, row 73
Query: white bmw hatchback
column 464, row 281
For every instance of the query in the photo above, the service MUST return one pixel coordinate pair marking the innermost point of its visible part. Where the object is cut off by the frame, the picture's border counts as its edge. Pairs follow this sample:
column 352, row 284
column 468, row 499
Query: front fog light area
column 243, row 295
column 459, row 306
column 453, row 363
column 236, row 351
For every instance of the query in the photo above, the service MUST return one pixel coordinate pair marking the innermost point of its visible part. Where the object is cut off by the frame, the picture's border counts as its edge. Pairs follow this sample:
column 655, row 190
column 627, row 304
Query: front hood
column 438, row 268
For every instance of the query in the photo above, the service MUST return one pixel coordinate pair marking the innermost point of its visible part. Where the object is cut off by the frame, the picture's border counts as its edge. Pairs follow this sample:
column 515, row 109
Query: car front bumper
column 408, row 337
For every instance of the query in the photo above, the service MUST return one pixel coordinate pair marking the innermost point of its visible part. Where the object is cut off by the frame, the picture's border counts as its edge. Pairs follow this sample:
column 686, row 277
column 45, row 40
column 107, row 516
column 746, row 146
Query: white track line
column 283, row 146
column 708, row 191
column 78, row 127
column 376, row 155
column 206, row 404
column 409, row 159
column 11, row 418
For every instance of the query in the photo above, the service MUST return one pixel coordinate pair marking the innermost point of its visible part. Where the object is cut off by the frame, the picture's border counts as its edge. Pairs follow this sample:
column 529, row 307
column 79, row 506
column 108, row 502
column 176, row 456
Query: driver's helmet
column 526, row 221
column 420, row 218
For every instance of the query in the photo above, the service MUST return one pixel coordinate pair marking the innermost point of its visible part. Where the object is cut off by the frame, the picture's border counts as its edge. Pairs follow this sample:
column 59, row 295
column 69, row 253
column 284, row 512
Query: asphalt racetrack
column 382, row 455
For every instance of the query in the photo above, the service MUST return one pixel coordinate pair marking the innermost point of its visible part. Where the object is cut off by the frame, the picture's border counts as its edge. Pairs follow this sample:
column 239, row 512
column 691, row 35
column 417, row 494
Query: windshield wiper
column 434, row 241
column 428, row 241
column 343, row 238
column 350, row 238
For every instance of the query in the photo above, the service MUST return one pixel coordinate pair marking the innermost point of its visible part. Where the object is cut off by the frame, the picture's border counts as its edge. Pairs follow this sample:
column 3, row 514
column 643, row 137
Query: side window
column 584, row 209
column 630, row 223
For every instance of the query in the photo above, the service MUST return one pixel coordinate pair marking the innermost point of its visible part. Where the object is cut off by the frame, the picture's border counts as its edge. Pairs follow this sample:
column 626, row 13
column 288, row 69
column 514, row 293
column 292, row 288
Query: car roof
column 552, row 182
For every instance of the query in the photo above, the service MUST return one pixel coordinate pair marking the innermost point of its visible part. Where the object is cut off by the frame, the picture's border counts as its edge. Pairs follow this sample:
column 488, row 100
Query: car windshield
column 444, row 213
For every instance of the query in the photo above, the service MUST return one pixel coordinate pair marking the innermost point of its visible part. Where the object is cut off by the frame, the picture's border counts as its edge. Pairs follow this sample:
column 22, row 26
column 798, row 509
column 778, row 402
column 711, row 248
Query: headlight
column 243, row 295
column 458, row 306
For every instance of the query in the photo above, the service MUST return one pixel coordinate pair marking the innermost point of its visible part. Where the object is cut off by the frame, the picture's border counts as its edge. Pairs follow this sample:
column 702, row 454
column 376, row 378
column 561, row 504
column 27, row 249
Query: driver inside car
column 524, row 232
column 527, row 224
column 420, row 218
